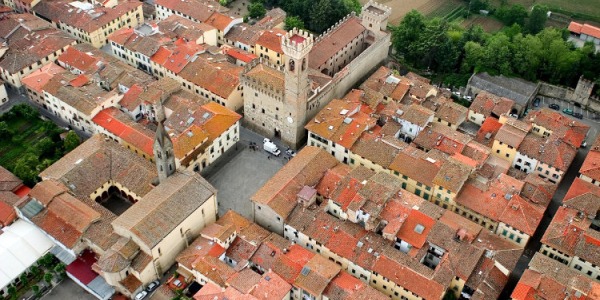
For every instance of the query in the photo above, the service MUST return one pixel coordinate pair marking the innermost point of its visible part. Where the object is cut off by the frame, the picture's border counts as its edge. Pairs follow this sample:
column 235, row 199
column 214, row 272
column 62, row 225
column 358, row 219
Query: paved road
column 534, row 243
column 68, row 289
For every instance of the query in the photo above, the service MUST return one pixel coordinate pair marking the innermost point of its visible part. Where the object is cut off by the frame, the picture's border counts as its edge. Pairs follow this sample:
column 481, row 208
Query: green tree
column 256, row 10
column 292, row 22
column 25, row 111
column 352, row 5
column 474, row 55
column 319, row 14
column 526, row 55
column 408, row 32
column 71, row 141
column 48, row 277
column 5, row 132
column 24, row 279
column 25, row 168
column 511, row 14
column 497, row 55
column 60, row 269
column 537, row 19
column 45, row 147
column 477, row 5
column 12, row 292
column 36, row 290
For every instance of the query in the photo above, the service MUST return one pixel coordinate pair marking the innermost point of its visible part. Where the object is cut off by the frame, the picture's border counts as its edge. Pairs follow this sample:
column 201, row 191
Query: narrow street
column 534, row 243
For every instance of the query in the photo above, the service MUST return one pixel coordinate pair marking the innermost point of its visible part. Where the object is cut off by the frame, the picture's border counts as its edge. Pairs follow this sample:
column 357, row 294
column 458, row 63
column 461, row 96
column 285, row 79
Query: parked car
column 536, row 102
column 568, row 111
column 578, row 115
column 152, row 286
column 554, row 106
column 469, row 98
column 266, row 140
column 584, row 144
column 141, row 295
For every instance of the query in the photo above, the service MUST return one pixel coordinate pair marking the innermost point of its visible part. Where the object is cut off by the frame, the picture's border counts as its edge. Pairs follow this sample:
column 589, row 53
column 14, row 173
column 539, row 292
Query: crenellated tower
column 374, row 16
column 163, row 146
column 296, row 46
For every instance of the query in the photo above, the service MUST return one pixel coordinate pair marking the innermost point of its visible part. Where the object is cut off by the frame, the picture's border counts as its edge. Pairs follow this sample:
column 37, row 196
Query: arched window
column 292, row 65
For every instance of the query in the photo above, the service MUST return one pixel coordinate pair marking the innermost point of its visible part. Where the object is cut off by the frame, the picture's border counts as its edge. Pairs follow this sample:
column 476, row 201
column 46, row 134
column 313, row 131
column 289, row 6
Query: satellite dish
column 290, row 120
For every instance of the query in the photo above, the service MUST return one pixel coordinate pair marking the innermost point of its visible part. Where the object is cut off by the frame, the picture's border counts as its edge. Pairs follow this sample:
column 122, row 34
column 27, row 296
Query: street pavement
column 241, row 171
column 68, row 289
column 534, row 243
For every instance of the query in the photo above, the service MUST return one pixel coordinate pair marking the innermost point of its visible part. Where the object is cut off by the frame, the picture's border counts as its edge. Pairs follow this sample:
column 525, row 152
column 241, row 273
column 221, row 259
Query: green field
column 450, row 10
column 27, row 133
column 29, row 144
column 580, row 9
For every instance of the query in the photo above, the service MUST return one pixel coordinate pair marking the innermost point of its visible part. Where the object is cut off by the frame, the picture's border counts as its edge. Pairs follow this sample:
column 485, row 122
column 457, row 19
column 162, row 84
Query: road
column 534, row 243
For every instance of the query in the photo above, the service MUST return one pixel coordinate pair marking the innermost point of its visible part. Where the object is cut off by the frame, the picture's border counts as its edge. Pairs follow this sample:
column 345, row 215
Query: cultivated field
column 402, row 7
column 488, row 24
column 442, row 8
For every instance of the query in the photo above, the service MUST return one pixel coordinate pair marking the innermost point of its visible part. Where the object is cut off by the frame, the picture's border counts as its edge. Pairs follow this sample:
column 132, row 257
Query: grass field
column 27, row 134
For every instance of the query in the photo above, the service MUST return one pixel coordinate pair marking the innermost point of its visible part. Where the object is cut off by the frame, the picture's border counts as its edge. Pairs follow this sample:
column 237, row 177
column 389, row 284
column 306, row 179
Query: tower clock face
column 290, row 120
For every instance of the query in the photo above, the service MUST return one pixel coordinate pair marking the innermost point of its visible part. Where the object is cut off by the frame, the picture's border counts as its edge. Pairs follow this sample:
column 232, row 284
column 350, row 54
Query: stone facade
column 279, row 107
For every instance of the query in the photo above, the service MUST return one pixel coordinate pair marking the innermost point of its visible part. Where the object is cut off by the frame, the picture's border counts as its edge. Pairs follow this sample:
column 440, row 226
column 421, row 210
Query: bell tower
column 163, row 146
column 296, row 45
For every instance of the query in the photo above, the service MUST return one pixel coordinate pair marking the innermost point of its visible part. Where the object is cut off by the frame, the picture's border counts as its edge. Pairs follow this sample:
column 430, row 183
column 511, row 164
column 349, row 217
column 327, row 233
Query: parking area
column 565, row 105
column 240, row 173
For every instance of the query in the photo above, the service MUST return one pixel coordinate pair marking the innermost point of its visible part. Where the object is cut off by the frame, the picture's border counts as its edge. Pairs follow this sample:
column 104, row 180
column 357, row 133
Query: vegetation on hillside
column 455, row 53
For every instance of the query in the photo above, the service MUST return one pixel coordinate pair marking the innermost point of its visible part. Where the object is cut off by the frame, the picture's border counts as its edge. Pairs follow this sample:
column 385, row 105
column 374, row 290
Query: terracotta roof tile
column 415, row 228
column 219, row 21
column 488, row 130
column 8, row 181
column 86, row 20
column 489, row 104
column 271, row 39
column 38, row 79
column 335, row 41
column 591, row 164
column 307, row 168
column 271, row 286
column 199, row 10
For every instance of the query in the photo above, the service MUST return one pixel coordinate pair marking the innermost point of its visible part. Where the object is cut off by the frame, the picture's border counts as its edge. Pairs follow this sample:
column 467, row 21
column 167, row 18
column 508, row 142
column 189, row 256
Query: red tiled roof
column 271, row 39
column 591, row 30
column 77, row 59
column 522, row 215
column 219, row 21
column 575, row 27
column 7, row 213
column 487, row 132
column 240, row 55
column 108, row 120
column 36, row 80
column 414, row 221
column 408, row 279
column 335, row 41
column 591, row 164
column 131, row 98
